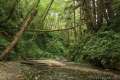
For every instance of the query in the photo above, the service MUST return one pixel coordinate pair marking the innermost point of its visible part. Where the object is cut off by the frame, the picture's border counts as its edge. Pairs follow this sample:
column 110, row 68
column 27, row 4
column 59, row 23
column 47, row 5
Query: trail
column 52, row 70
column 10, row 71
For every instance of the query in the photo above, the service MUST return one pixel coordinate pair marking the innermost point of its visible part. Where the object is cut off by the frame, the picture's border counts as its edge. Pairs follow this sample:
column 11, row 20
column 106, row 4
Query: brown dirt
column 10, row 71
column 69, row 71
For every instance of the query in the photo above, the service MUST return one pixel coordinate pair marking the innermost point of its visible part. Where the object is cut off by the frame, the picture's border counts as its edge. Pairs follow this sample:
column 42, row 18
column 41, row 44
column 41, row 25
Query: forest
column 59, row 40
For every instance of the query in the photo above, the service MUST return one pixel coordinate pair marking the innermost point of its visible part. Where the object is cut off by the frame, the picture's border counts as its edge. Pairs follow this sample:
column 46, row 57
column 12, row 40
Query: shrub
column 102, row 49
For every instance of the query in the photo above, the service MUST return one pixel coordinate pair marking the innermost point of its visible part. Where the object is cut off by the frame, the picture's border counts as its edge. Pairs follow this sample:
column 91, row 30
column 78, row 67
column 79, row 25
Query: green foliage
column 3, row 40
column 51, row 43
column 101, row 50
column 116, row 19
column 3, row 43
column 43, row 46
column 47, row 45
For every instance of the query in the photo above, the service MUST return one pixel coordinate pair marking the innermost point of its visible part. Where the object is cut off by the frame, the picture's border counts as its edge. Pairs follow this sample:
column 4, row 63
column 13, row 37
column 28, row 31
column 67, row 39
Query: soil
column 66, row 71
column 10, row 71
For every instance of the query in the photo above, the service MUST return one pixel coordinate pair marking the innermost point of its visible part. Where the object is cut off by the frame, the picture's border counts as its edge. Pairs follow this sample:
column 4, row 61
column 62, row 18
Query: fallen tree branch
column 37, row 30
column 18, row 35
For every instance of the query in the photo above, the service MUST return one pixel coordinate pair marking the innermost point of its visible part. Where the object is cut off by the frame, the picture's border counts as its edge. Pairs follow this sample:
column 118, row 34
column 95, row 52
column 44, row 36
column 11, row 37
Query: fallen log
column 49, row 62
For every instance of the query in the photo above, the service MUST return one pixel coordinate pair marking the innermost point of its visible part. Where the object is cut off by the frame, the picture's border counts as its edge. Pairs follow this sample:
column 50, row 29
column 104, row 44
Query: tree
column 17, row 36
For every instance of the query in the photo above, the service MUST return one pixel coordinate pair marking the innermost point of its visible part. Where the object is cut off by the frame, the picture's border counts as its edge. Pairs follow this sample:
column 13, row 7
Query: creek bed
column 60, row 73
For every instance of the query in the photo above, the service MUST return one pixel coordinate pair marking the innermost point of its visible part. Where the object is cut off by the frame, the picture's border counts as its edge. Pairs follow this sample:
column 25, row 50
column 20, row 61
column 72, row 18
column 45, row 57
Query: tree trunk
column 109, row 11
column 99, row 13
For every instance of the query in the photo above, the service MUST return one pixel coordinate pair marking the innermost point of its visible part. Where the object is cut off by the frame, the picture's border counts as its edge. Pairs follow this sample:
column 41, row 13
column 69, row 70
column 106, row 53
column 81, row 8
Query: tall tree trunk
column 108, row 11
column 46, row 13
column 88, row 15
column 99, row 13
column 74, row 24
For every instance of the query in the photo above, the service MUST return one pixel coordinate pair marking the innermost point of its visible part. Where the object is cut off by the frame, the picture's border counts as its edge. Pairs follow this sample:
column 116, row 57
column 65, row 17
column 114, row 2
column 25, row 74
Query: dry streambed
column 51, row 70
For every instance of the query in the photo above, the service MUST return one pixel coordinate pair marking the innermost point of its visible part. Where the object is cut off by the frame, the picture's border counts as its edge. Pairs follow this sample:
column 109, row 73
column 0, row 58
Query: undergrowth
column 101, row 49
